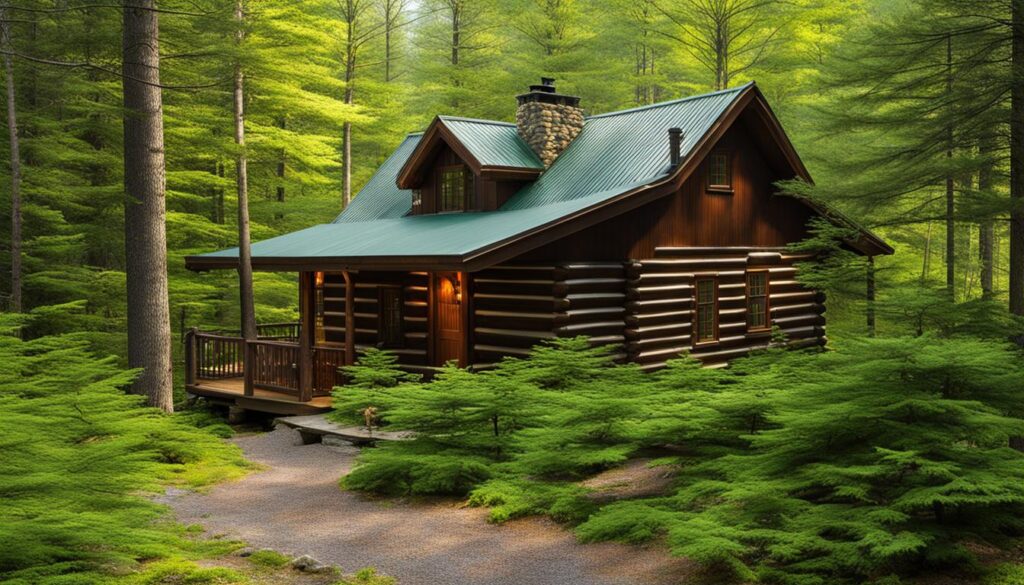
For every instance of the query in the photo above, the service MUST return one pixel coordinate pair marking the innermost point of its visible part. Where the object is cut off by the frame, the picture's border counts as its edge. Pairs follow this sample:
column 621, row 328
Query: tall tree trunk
column 149, row 320
column 1016, row 267
column 927, row 256
column 950, row 192
column 282, row 159
column 12, row 128
column 242, row 179
column 456, row 7
column 350, row 73
column 986, row 229
column 870, row 296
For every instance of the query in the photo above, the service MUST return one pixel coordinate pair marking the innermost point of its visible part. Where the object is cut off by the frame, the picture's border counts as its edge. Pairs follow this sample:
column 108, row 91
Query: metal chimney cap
column 547, row 85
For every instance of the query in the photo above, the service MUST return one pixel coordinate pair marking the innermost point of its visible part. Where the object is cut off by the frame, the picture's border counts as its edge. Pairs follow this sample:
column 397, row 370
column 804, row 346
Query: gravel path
column 295, row 506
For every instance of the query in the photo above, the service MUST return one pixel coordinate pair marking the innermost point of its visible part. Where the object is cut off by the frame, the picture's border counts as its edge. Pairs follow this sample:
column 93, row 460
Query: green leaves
column 79, row 458
column 795, row 467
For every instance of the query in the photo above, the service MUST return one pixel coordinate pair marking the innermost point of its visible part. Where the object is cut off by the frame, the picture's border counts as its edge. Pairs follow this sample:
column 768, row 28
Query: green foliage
column 885, row 456
column 269, row 558
column 367, row 576
column 880, row 458
column 79, row 458
column 366, row 383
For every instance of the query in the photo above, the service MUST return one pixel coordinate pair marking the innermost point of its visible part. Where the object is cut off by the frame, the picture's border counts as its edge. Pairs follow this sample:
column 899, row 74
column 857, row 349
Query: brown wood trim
column 466, row 289
column 350, row 321
column 498, row 173
column 331, row 263
column 307, row 306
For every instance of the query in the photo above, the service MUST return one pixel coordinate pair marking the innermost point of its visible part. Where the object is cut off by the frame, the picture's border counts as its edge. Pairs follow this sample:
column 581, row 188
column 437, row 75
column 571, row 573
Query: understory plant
column 875, row 460
column 79, row 459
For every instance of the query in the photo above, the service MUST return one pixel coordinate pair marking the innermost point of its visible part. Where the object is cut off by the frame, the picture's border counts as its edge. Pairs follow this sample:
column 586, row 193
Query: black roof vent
column 547, row 85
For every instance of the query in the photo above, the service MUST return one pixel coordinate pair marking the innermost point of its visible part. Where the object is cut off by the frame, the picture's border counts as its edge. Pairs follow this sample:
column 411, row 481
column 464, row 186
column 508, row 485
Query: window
column 389, row 317
column 417, row 201
column 453, row 189
column 707, row 309
column 719, row 172
column 757, row 301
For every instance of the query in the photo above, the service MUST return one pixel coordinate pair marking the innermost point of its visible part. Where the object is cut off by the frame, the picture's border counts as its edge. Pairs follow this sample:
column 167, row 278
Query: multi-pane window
column 719, row 173
column 389, row 322
column 453, row 189
column 757, row 300
column 706, row 298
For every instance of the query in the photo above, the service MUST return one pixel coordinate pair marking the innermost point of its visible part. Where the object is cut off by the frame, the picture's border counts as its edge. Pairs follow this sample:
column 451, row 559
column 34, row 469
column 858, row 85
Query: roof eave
column 322, row 263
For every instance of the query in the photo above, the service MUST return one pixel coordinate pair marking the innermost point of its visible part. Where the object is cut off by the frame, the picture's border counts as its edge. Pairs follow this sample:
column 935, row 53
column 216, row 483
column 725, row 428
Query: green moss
column 269, row 558
column 367, row 576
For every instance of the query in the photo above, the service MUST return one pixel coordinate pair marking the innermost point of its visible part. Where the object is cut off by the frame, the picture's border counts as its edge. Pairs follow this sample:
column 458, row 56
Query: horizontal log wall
column 413, row 352
column 518, row 306
column 660, row 304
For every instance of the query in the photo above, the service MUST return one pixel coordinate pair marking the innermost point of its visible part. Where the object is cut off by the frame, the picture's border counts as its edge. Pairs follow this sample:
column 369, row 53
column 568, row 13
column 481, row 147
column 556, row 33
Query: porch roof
column 446, row 240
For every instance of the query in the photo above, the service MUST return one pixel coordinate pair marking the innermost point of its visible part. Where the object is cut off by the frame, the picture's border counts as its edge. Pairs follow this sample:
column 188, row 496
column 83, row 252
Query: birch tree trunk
column 149, row 322
column 245, row 291
column 12, row 128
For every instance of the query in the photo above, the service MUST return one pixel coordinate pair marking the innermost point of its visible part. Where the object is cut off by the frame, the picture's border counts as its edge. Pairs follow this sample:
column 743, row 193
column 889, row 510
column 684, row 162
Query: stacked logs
column 660, row 311
column 517, row 306
column 366, row 311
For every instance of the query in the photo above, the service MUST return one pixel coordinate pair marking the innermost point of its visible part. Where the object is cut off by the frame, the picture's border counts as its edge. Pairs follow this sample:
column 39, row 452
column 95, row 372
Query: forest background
column 902, row 111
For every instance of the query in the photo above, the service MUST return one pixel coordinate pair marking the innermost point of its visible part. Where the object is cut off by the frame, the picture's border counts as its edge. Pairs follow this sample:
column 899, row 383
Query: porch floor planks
column 233, row 389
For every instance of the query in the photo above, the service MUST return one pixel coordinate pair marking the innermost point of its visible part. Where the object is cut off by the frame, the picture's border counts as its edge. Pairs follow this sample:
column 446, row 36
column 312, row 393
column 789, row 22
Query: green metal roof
column 614, row 153
column 615, row 149
column 493, row 143
column 381, row 197
column 443, row 234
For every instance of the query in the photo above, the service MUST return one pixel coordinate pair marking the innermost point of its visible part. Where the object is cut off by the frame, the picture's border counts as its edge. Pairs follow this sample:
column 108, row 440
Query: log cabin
column 656, row 229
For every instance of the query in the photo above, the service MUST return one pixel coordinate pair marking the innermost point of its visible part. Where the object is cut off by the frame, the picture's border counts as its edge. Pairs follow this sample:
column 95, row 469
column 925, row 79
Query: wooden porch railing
column 217, row 356
column 272, row 365
column 268, row 363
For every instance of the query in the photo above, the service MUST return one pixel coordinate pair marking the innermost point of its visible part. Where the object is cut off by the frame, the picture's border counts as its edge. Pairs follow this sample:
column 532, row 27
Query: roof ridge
column 671, row 102
column 476, row 120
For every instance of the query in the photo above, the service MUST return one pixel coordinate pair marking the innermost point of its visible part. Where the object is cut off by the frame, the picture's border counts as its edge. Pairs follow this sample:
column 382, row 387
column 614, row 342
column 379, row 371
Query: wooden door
column 448, row 328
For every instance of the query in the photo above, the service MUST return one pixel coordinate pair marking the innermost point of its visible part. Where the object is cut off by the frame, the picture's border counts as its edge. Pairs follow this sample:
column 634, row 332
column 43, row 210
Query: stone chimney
column 548, row 121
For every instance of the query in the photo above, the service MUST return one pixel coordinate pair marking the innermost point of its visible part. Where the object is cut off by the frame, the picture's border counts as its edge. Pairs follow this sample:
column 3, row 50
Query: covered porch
column 274, row 373
column 291, row 368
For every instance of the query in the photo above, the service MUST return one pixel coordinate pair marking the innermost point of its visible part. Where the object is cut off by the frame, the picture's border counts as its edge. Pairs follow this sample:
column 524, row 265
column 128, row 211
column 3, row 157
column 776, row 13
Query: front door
column 448, row 329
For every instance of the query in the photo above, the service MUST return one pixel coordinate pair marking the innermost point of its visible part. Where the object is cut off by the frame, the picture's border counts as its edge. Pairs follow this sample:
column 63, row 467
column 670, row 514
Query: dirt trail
column 295, row 506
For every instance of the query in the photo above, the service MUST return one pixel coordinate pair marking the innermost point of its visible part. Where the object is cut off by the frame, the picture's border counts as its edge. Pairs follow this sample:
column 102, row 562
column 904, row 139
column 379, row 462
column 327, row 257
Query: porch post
column 248, row 357
column 350, row 321
column 306, row 332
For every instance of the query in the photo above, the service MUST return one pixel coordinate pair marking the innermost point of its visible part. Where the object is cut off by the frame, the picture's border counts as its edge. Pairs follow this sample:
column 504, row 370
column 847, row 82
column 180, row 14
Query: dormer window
column 719, row 172
column 453, row 189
